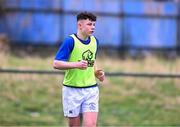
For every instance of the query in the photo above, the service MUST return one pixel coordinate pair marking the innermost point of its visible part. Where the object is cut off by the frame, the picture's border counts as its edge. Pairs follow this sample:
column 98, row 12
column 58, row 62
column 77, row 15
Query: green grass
column 130, row 104
column 35, row 100
column 30, row 101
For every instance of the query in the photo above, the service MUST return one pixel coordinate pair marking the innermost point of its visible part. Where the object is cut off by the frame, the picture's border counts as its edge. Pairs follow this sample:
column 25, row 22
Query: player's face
column 87, row 27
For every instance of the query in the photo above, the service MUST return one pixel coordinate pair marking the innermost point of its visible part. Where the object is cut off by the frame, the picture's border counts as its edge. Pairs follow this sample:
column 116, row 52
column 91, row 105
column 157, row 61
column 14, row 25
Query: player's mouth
column 91, row 32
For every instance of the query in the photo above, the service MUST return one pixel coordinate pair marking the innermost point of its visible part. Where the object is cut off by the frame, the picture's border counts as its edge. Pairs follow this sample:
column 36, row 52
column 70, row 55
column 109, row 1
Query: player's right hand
column 83, row 64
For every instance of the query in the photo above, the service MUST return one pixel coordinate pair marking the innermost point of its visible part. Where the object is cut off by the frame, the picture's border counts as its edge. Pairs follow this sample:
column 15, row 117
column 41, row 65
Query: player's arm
column 99, row 73
column 63, row 65
column 62, row 56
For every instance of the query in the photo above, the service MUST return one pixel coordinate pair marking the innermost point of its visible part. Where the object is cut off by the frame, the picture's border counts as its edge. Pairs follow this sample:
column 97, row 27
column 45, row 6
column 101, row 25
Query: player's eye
column 89, row 24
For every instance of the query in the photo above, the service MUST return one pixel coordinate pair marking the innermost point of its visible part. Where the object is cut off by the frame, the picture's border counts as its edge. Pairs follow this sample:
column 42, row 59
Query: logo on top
column 88, row 55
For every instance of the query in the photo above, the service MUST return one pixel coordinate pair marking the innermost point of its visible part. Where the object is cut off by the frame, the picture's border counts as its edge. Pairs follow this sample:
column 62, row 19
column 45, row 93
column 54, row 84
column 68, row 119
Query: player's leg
column 74, row 121
column 72, row 101
column 90, row 119
column 90, row 107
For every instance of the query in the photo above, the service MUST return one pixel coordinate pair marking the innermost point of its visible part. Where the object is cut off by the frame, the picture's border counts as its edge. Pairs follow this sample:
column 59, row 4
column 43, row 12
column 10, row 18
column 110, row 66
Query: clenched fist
column 100, row 75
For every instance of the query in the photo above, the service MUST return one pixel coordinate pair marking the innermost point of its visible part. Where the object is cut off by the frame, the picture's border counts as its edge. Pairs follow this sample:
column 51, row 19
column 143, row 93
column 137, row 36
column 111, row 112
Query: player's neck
column 82, row 36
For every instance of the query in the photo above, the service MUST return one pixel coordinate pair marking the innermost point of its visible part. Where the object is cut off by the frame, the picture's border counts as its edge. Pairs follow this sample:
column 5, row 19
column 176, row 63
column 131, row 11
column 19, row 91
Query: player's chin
column 91, row 32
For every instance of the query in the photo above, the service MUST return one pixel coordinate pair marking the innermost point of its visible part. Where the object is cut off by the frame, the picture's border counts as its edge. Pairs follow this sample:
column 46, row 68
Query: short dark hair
column 86, row 15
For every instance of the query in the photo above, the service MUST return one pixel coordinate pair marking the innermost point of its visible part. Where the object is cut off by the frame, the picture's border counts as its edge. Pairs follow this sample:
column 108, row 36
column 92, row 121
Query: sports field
column 124, row 101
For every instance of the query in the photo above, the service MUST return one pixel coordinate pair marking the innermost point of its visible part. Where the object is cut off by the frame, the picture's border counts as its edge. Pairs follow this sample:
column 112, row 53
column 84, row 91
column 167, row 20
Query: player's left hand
column 100, row 75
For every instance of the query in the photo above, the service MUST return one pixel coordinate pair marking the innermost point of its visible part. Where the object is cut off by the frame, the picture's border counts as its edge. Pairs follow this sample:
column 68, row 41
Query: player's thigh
column 72, row 101
column 91, row 102
column 90, row 119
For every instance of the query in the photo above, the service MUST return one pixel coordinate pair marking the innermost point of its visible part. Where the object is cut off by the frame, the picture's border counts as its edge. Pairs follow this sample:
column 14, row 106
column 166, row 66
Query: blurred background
column 139, row 51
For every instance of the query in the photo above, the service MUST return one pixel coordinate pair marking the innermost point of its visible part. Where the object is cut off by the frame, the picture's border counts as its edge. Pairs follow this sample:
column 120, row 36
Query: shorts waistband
column 95, row 85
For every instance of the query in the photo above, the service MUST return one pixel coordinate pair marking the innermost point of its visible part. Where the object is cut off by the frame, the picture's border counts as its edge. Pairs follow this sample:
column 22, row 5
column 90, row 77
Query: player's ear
column 79, row 24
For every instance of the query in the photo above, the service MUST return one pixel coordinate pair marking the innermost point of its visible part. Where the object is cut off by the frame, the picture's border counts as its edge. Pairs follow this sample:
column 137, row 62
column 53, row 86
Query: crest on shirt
column 88, row 55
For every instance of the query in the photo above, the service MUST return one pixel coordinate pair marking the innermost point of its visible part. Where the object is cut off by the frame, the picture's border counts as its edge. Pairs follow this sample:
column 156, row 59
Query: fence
column 109, row 74
column 137, row 24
